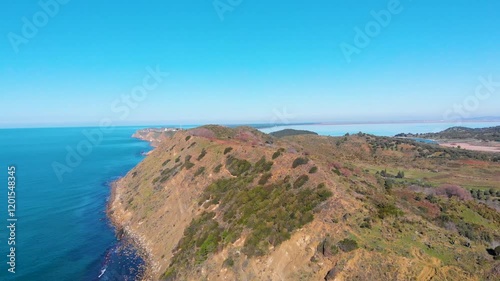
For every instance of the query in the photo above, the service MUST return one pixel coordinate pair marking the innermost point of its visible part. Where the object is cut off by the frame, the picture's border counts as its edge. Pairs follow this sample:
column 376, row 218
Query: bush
column 217, row 168
column 227, row 150
column 169, row 275
column 265, row 177
column 450, row 190
column 278, row 153
column 299, row 161
column 386, row 210
column 313, row 170
column 200, row 171
column 188, row 165
column 229, row 262
column 188, row 138
column 388, row 184
column 202, row 154
column 300, row 181
column 347, row 245
column 237, row 167
column 262, row 165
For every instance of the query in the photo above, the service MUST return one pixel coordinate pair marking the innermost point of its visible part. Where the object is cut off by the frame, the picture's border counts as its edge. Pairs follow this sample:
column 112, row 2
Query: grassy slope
column 398, row 224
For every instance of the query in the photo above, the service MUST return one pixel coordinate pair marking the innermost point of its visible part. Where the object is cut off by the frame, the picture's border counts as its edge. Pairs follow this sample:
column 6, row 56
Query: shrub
column 202, row 154
column 166, row 162
column 227, row 150
column 278, row 153
column 217, row 168
column 313, row 170
column 188, row 138
column 229, row 262
column 300, row 181
column 169, row 275
column 262, row 165
column 299, row 161
column 387, row 209
column 265, row 177
column 200, row 171
column 188, row 165
column 236, row 166
column 388, row 184
column 348, row 245
column 450, row 190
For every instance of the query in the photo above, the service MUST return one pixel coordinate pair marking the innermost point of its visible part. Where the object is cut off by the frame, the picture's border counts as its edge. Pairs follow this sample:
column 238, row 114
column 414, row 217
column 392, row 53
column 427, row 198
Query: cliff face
column 235, row 204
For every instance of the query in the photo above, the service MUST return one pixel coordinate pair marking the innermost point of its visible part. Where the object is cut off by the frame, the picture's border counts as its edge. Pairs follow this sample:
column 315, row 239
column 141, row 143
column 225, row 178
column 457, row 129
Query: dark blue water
column 62, row 232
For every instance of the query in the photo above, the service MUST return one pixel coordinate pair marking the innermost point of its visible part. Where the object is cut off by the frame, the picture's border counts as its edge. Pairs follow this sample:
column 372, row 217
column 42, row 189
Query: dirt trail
column 431, row 265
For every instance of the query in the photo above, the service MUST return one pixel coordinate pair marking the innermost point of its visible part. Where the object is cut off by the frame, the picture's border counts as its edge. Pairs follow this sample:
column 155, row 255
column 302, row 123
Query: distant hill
column 461, row 133
column 291, row 132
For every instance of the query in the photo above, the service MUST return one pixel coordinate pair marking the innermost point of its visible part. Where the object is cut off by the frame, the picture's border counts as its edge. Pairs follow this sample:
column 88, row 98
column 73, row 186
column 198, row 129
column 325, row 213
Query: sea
column 62, row 185
column 62, row 232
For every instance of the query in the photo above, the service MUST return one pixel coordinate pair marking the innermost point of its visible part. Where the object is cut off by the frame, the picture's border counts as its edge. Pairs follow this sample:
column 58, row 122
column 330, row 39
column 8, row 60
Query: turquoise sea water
column 62, row 232
column 379, row 129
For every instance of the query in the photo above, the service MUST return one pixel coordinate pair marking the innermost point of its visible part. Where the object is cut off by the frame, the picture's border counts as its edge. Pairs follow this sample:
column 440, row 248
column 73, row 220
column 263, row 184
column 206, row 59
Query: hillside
column 214, row 203
column 291, row 132
column 462, row 133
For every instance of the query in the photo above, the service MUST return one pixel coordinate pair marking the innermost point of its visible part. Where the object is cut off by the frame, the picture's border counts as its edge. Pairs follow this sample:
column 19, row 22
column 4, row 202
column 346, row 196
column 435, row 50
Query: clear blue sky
column 263, row 57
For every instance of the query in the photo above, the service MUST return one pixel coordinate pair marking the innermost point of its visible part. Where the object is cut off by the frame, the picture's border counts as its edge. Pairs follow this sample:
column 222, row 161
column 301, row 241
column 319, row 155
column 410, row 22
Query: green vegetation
column 300, row 181
column 200, row 171
column 217, row 168
column 264, row 178
column 388, row 209
column 188, row 138
column 278, row 153
column 268, row 214
column 299, row 161
column 262, row 165
column 166, row 162
column 229, row 262
column 291, row 132
column 167, row 173
column 348, row 245
column 237, row 167
column 202, row 154
column 313, row 170
column 188, row 165
column 456, row 133
column 227, row 150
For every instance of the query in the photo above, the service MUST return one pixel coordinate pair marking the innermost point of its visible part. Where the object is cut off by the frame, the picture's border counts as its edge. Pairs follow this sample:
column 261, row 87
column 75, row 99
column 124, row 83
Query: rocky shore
column 115, row 213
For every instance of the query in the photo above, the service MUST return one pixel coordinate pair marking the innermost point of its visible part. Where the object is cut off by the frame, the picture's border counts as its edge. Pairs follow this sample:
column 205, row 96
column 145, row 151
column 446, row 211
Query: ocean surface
column 63, row 178
column 62, row 232
column 379, row 129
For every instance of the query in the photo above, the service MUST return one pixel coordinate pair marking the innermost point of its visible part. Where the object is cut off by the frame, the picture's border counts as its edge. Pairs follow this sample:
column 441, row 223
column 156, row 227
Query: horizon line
column 261, row 125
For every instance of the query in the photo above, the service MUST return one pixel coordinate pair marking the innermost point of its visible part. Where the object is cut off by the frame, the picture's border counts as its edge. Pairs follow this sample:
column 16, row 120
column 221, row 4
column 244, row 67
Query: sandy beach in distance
column 476, row 146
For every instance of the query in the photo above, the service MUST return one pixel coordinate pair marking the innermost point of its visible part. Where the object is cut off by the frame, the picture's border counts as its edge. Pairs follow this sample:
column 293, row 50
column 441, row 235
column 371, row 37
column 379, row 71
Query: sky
column 74, row 62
